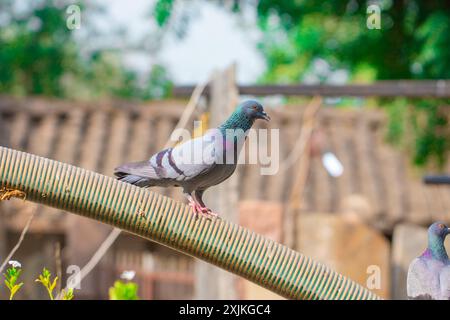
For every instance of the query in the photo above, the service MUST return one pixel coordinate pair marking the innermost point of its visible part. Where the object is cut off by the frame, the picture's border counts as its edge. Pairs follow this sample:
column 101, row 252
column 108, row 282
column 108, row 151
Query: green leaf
column 162, row 11
column 68, row 295
column 53, row 284
column 16, row 288
column 8, row 285
column 124, row 291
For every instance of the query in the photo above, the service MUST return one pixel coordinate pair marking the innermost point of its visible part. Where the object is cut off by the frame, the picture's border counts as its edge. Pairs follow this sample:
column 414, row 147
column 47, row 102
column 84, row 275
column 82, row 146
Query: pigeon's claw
column 200, row 209
column 209, row 212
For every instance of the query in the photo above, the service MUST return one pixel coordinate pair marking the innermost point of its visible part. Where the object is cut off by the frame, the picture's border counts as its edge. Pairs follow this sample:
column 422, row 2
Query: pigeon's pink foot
column 198, row 209
column 209, row 212
column 195, row 207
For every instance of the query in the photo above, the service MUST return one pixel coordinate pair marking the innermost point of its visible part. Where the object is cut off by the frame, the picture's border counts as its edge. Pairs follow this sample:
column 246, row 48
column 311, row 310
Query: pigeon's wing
column 184, row 162
column 422, row 283
column 187, row 160
column 137, row 173
column 444, row 280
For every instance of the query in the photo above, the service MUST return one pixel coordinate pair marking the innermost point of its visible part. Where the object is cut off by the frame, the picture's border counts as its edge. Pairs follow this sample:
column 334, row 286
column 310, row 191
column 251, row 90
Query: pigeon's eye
column 441, row 226
column 254, row 107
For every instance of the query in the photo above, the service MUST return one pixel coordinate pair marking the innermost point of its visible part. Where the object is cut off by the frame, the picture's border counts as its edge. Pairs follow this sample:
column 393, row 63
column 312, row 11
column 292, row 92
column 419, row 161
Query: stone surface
column 350, row 248
column 265, row 218
column 408, row 242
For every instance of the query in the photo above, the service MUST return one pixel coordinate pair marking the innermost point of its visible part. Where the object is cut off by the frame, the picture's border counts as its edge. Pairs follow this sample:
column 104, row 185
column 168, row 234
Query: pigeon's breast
column 428, row 279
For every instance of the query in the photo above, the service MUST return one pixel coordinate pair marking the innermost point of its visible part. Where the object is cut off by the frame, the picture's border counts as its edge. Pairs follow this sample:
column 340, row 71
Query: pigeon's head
column 438, row 229
column 254, row 110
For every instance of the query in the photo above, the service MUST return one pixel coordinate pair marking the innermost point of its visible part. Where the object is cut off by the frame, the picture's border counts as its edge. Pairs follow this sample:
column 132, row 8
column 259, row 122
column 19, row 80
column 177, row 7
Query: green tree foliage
column 35, row 53
column 412, row 43
column 11, row 278
column 162, row 11
column 40, row 56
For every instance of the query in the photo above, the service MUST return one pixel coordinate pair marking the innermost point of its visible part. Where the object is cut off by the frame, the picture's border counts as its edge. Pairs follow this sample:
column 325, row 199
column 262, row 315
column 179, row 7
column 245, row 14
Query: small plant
column 45, row 279
column 67, row 294
column 124, row 290
column 11, row 277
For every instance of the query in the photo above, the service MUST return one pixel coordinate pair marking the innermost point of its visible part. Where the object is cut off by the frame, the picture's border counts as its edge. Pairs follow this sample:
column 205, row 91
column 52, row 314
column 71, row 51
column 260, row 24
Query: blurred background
column 359, row 91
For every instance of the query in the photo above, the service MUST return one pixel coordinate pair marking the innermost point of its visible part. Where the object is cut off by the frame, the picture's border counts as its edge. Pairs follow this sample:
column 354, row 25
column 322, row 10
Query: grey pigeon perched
column 429, row 274
column 200, row 163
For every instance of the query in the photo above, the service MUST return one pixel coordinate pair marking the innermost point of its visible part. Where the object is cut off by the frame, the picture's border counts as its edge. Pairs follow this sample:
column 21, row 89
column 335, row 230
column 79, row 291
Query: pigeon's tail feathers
column 135, row 180
column 137, row 173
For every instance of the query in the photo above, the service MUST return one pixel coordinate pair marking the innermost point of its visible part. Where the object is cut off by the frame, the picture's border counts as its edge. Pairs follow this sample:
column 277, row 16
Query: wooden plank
column 322, row 180
column 275, row 190
column 93, row 141
column 39, row 107
column 389, row 163
column 339, row 136
column 43, row 137
column 419, row 211
column 69, row 137
column 83, row 235
column 213, row 283
column 436, row 202
column 365, row 168
column 322, row 194
column 19, row 130
column 116, row 142
column 141, row 139
column 302, row 176
column 395, row 88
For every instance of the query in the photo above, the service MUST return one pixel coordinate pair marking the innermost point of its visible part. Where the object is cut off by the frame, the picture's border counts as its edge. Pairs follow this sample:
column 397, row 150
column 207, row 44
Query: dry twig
column 22, row 236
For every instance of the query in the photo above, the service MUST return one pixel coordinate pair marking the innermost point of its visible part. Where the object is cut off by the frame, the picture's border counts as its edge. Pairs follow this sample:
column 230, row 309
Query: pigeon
column 200, row 163
column 429, row 275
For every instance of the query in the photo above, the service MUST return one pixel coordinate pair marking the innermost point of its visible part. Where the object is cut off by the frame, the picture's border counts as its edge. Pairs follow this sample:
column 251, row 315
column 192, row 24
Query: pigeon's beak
column 264, row 116
column 448, row 231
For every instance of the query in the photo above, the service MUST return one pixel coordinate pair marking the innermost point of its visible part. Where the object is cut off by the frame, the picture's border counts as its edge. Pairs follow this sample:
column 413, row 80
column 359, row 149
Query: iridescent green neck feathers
column 237, row 120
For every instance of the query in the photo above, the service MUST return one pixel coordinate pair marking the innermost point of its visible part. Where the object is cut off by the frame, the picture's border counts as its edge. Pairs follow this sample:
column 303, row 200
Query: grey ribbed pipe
column 171, row 223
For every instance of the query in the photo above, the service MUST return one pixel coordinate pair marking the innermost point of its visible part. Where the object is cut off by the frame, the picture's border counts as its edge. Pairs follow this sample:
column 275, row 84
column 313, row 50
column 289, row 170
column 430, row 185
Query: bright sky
column 214, row 40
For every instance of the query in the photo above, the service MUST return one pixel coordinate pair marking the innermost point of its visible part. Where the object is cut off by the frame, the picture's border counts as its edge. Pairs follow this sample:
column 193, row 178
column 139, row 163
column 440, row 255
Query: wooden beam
column 436, row 179
column 212, row 283
column 389, row 88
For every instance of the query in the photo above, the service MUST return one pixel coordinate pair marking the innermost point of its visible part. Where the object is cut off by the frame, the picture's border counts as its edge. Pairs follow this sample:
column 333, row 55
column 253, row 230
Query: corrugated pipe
column 171, row 223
